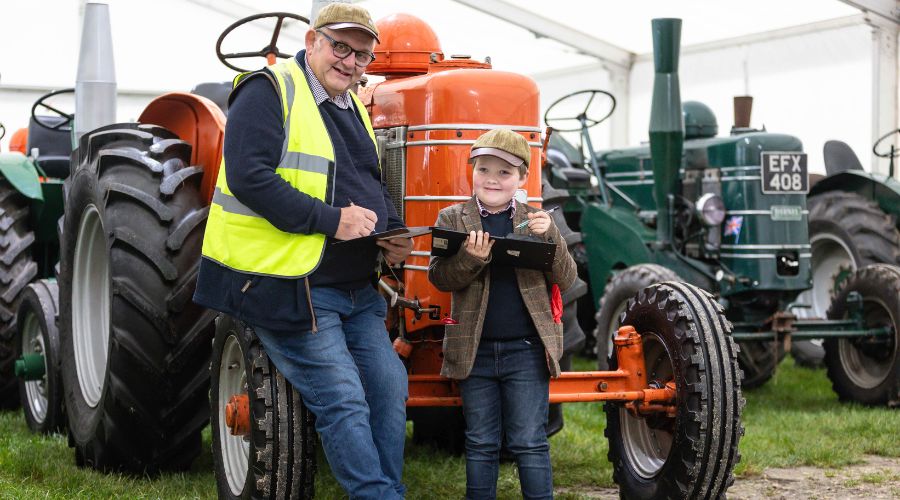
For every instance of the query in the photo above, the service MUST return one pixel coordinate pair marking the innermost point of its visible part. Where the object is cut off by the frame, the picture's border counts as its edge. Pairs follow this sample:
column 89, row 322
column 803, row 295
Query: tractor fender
column 197, row 121
column 22, row 174
column 883, row 190
column 615, row 238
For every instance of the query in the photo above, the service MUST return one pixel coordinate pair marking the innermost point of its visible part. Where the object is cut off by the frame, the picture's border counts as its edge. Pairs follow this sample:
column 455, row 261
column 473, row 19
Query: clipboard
column 401, row 232
column 517, row 250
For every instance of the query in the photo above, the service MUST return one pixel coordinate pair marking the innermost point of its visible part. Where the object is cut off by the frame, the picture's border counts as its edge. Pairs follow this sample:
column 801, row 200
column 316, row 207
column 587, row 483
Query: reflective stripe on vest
column 239, row 238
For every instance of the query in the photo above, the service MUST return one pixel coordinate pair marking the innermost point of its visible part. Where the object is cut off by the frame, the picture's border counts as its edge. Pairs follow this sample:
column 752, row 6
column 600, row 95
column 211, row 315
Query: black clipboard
column 517, row 250
column 402, row 232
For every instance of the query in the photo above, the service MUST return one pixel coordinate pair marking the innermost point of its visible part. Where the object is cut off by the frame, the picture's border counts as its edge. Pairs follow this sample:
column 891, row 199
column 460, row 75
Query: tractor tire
column 758, row 360
column 281, row 433
column 38, row 334
column 867, row 370
column 619, row 290
column 135, row 348
column 687, row 339
column 17, row 269
column 846, row 232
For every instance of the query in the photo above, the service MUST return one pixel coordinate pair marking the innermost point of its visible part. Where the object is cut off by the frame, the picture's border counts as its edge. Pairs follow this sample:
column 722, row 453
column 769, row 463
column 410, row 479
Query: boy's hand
column 539, row 222
column 396, row 250
column 479, row 244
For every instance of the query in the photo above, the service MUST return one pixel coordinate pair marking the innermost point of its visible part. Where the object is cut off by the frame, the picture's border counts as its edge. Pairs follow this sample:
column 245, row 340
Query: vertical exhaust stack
column 95, row 85
column 666, row 121
column 743, row 107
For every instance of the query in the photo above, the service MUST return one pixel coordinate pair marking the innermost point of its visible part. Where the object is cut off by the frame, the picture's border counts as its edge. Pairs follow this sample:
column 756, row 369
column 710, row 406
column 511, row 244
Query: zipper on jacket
column 312, row 311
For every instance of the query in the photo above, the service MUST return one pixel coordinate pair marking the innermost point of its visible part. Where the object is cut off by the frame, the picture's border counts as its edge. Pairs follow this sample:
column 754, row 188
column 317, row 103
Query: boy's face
column 496, row 181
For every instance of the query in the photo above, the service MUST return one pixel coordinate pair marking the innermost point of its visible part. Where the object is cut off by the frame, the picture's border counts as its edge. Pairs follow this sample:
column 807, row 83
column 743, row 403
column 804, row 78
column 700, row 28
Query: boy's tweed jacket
column 469, row 279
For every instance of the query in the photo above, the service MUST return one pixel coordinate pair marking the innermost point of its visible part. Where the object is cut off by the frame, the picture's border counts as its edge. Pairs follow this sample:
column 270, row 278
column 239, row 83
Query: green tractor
column 853, row 222
column 727, row 214
column 31, row 204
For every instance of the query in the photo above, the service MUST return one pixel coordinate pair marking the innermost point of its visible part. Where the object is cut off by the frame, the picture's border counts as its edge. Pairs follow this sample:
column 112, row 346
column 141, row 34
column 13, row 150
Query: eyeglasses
column 341, row 50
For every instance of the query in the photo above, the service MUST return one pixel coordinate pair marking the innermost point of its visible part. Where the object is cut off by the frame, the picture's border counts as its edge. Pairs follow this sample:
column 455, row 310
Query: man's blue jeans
column 507, row 392
column 354, row 383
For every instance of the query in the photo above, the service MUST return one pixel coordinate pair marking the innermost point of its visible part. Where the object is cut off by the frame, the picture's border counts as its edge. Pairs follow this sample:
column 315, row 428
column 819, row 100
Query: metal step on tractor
column 729, row 215
column 143, row 369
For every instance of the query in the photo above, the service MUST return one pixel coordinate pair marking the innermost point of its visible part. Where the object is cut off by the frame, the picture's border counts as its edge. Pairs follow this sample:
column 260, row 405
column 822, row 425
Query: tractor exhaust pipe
column 95, row 85
column 743, row 106
column 666, row 122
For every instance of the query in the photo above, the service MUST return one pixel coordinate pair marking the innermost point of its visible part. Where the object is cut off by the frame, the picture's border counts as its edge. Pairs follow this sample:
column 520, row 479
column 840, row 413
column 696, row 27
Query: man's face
column 496, row 182
column 336, row 75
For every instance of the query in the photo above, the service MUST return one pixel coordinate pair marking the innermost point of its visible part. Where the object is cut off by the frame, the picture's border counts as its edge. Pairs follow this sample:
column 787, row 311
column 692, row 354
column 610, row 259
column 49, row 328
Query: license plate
column 784, row 172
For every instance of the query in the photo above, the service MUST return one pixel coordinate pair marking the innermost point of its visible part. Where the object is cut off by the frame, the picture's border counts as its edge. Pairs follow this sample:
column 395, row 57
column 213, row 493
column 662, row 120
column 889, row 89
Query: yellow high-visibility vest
column 239, row 238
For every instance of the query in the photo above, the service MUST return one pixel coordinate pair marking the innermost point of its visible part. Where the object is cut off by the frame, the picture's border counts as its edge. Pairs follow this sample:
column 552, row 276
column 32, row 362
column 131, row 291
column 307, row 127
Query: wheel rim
column 235, row 449
column 831, row 258
column 35, row 390
column 648, row 448
column 90, row 305
column 863, row 370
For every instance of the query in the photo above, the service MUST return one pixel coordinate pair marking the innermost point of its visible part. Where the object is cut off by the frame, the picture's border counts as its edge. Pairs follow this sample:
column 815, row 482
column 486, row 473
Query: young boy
column 505, row 344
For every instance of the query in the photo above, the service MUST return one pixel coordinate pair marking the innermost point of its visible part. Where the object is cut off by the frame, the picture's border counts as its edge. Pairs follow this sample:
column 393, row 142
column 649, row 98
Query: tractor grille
column 392, row 150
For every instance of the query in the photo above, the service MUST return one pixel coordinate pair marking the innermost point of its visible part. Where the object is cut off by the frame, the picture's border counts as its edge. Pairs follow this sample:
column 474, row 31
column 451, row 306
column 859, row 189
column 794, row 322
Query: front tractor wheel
column 691, row 455
column 867, row 369
column 264, row 438
column 134, row 347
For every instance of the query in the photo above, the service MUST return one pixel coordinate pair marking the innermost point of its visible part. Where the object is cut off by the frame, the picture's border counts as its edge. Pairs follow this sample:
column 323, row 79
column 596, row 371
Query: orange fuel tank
column 427, row 114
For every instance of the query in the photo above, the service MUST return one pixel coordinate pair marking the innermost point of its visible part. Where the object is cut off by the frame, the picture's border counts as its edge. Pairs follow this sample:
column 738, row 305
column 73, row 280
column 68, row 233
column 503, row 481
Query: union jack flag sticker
column 733, row 227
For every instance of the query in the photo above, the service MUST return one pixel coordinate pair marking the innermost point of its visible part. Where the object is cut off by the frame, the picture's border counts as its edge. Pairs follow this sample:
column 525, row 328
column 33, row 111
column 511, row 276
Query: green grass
column 793, row 420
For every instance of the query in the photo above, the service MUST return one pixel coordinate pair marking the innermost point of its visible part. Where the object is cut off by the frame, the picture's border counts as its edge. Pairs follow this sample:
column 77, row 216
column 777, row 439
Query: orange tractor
column 136, row 349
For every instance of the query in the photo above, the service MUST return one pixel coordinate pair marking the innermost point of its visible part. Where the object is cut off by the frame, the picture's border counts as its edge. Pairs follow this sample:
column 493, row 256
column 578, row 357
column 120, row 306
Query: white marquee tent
column 818, row 69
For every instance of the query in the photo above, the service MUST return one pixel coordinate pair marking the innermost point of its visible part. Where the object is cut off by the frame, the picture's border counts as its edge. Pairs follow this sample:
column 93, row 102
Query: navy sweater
column 253, row 140
column 507, row 315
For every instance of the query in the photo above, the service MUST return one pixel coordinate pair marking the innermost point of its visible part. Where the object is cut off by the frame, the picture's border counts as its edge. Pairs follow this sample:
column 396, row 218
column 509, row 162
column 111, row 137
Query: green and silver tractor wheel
column 691, row 454
column 40, row 385
column 867, row 369
column 134, row 347
column 17, row 269
column 264, row 438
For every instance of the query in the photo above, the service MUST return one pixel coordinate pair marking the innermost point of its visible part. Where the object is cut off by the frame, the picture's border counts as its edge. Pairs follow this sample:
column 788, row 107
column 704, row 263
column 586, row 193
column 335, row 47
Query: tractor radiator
column 392, row 153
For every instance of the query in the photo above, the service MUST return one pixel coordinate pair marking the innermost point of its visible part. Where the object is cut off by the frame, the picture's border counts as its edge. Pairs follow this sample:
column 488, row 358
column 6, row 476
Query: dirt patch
column 877, row 478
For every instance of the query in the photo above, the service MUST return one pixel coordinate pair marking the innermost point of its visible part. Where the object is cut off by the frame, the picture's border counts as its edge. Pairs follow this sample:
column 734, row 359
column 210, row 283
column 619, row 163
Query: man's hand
column 539, row 222
column 355, row 222
column 395, row 249
column 479, row 244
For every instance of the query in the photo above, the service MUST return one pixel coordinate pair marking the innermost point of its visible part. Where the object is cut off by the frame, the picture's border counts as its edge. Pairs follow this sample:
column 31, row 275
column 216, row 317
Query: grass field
column 793, row 420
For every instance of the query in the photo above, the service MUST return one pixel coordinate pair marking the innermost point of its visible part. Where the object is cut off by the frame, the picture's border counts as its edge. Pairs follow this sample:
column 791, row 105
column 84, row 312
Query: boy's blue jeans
column 507, row 392
column 354, row 383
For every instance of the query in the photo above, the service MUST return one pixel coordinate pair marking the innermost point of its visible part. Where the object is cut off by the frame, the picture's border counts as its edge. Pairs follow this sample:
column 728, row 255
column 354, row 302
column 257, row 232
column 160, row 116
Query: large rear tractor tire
column 686, row 340
column 846, row 232
column 867, row 369
column 39, row 338
column 619, row 290
column 135, row 348
column 275, row 429
column 17, row 269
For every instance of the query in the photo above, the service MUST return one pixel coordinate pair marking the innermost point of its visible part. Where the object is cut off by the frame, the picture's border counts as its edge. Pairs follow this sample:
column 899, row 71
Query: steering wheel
column 63, row 126
column 270, row 51
column 893, row 152
column 584, row 117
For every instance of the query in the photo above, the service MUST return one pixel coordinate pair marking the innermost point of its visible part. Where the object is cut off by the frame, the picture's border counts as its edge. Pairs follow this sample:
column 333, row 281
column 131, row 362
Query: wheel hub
column 235, row 414
column 34, row 369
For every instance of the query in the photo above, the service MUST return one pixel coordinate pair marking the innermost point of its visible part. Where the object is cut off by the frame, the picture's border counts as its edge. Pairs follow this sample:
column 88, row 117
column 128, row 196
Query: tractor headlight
column 711, row 209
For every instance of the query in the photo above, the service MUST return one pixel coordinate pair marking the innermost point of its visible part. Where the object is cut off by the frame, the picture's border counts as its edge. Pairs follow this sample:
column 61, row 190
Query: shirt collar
column 485, row 212
column 319, row 94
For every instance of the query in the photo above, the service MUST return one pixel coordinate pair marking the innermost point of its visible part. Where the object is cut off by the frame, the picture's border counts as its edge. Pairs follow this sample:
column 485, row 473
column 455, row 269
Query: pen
column 525, row 223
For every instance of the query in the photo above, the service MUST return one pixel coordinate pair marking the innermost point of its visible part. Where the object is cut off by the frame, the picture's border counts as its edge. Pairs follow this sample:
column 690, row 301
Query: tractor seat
column 839, row 157
column 54, row 147
column 216, row 92
column 564, row 174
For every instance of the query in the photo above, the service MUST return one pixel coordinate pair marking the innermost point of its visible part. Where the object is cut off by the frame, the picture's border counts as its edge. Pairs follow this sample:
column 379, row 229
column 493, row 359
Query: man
column 300, row 170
